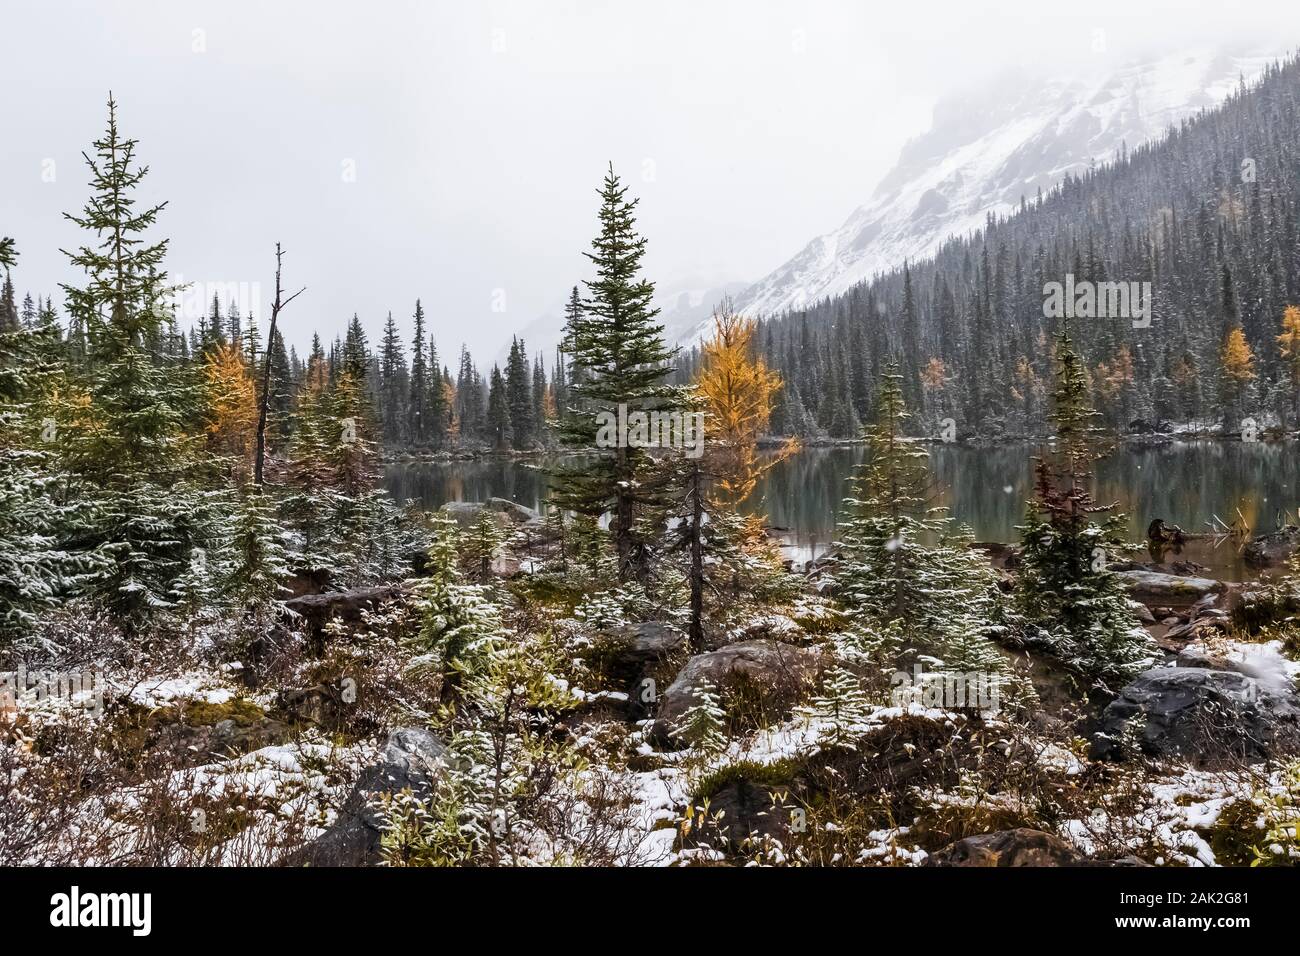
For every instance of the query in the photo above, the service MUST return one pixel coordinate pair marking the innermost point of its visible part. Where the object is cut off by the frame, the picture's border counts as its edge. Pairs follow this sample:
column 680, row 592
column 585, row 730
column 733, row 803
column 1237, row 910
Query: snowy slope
column 989, row 147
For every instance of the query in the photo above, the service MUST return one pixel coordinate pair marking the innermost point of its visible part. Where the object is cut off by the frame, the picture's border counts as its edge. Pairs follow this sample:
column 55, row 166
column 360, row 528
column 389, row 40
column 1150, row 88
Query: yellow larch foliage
column 1112, row 376
column 934, row 375
column 1236, row 357
column 232, row 403
column 738, row 391
column 1289, row 341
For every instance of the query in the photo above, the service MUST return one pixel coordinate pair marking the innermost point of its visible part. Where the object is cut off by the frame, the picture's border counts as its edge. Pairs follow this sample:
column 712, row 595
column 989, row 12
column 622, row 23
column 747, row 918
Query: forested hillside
column 1208, row 216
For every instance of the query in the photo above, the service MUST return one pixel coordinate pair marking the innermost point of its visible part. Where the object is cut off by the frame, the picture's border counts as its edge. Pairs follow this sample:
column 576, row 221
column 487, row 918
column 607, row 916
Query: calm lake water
column 1185, row 483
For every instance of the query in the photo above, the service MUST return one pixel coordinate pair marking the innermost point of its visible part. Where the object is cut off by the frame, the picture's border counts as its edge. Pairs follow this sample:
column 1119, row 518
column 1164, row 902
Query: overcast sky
column 450, row 150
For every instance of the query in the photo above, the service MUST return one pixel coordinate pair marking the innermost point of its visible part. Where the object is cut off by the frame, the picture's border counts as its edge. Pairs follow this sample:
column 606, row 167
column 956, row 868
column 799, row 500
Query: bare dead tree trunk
column 696, row 633
column 276, row 306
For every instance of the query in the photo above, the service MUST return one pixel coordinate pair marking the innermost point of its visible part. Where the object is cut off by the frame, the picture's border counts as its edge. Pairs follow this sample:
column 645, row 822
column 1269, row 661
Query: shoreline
column 772, row 443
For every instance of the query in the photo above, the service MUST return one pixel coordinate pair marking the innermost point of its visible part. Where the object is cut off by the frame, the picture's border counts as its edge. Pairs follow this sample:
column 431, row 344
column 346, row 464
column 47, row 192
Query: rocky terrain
column 322, row 744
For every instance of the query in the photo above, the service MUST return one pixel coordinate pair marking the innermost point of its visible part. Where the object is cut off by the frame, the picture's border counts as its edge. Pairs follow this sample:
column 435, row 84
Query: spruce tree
column 498, row 415
column 1074, row 604
column 134, row 443
column 618, row 358
column 918, row 594
column 519, row 396
column 420, row 385
column 393, row 384
column 436, row 408
column 541, row 397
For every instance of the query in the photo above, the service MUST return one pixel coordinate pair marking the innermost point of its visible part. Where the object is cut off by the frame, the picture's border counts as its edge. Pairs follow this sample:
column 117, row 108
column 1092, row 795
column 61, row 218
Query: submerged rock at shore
column 508, row 513
column 1169, row 590
column 1270, row 550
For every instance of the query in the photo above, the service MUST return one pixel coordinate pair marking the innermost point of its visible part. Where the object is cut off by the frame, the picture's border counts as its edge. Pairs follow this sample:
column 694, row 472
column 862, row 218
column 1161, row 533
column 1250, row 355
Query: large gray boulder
column 776, row 674
column 507, row 513
column 1019, row 847
column 413, row 759
column 1207, row 717
column 1169, row 590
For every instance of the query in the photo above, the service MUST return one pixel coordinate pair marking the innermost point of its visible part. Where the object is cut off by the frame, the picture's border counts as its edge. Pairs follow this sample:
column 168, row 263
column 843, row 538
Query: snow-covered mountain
column 988, row 147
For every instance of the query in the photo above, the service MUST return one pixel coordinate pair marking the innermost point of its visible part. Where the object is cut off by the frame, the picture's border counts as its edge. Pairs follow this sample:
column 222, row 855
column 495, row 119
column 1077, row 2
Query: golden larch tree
column 1289, row 346
column 232, row 403
column 738, row 390
column 1237, row 359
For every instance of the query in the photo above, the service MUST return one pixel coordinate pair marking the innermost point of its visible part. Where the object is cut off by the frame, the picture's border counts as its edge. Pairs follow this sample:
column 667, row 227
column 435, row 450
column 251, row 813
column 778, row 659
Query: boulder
column 777, row 673
column 1169, row 590
column 317, row 610
column 1142, row 612
column 508, row 513
column 774, row 627
column 742, row 810
column 1270, row 550
column 196, row 730
column 1208, row 717
column 413, row 759
column 465, row 514
column 630, row 654
column 517, row 513
column 628, row 650
column 1019, row 847
column 1198, row 630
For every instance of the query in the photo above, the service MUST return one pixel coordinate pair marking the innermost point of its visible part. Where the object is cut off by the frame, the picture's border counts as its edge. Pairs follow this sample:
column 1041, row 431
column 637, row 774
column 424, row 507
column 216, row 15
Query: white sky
column 480, row 130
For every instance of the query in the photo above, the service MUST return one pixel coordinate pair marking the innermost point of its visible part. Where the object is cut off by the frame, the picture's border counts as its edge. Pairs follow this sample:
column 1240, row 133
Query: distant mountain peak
column 989, row 147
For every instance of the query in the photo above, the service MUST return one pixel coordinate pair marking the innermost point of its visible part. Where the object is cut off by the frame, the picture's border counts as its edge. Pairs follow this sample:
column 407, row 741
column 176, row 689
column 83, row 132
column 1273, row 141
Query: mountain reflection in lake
column 1185, row 483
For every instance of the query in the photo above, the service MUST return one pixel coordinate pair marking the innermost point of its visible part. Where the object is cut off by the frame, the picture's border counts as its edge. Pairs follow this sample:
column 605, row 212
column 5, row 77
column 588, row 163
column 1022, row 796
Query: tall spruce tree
column 619, row 361
column 393, row 384
column 1075, row 606
column 436, row 407
column 498, row 414
column 133, row 443
column 420, row 385
column 519, row 396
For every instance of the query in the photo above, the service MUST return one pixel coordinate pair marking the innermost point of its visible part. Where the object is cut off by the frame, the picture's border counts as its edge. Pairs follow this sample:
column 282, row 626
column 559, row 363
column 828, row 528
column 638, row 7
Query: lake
column 1185, row 483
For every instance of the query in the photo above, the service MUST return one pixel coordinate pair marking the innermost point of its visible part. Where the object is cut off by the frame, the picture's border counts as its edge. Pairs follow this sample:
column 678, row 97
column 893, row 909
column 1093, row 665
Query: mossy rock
column 202, row 713
column 1234, row 835
column 826, row 621
column 198, row 730
column 549, row 590
column 779, row 773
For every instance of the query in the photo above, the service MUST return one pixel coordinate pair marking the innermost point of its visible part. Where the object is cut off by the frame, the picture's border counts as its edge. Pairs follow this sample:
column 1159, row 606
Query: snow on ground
column 1180, row 804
